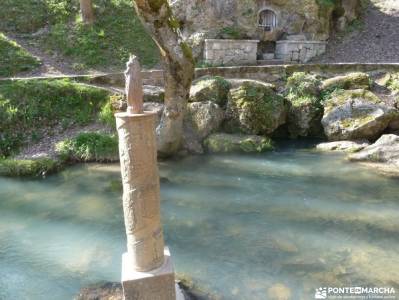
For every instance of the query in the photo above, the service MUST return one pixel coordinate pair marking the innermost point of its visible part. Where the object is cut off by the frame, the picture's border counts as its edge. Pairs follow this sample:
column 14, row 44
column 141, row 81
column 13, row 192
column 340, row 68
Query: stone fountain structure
column 147, row 268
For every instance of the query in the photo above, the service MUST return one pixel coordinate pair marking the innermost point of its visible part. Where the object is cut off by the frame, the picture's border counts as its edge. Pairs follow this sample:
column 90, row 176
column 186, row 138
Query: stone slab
column 158, row 284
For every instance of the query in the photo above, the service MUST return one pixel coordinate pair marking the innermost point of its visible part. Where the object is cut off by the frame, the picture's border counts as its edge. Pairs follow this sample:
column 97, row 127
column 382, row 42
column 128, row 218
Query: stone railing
column 230, row 52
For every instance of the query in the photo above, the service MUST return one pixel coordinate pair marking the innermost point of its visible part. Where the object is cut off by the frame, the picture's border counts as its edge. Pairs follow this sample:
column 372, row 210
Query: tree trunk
column 86, row 9
column 178, row 65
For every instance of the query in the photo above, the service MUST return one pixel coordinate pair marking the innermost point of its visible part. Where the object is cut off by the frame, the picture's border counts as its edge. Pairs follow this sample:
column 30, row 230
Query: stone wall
column 239, row 19
column 230, row 52
column 299, row 51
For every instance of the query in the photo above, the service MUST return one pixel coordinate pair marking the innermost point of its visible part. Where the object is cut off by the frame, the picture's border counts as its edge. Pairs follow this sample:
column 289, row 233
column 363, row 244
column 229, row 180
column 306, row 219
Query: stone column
column 147, row 270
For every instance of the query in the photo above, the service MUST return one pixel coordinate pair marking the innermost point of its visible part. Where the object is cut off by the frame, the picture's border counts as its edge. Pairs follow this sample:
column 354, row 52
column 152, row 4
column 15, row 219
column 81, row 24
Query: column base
column 158, row 284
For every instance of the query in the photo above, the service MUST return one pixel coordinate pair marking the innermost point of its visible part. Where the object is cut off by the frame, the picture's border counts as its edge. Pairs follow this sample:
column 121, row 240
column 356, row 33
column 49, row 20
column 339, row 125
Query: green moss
column 210, row 88
column 26, row 106
column 89, row 147
column 340, row 97
column 14, row 59
column 393, row 83
column 355, row 80
column 28, row 168
column 256, row 108
column 188, row 53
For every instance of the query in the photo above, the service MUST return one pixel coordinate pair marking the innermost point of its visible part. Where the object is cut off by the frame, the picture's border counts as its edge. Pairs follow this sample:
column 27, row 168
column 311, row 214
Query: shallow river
column 242, row 227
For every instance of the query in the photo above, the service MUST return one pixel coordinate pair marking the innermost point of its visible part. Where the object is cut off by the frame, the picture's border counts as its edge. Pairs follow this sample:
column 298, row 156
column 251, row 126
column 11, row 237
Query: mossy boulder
column 355, row 114
column 153, row 93
column 89, row 147
column 255, row 108
column 39, row 167
column 210, row 88
column 204, row 118
column 226, row 143
column 304, row 108
column 356, row 80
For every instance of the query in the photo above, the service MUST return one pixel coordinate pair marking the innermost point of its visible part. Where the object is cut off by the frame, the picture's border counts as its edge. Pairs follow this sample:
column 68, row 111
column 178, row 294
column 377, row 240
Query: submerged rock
column 345, row 146
column 255, row 108
column 279, row 291
column 102, row 291
column 357, row 80
column 355, row 115
column 224, row 143
column 204, row 117
column 210, row 88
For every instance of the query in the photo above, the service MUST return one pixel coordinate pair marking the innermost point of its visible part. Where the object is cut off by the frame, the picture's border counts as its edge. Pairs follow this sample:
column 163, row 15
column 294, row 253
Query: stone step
column 264, row 62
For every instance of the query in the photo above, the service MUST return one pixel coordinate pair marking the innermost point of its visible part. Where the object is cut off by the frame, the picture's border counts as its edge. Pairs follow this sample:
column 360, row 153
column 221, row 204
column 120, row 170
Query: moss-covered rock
column 355, row 114
column 226, row 143
column 356, row 80
column 393, row 83
column 29, row 167
column 89, row 147
column 305, row 110
column 255, row 108
column 204, row 118
column 210, row 88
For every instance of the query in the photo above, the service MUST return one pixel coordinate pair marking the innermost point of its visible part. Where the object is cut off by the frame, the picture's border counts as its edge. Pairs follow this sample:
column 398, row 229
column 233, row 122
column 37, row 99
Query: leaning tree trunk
column 86, row 9
column 178, row 65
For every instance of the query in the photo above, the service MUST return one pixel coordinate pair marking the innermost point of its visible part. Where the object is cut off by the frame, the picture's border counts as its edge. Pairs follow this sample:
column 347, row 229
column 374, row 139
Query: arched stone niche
column 267, row 19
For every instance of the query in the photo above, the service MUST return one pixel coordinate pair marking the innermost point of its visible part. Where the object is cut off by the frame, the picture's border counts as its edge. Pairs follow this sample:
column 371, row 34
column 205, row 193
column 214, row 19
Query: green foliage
column 14, row 59
column 30, row 15
column 231, row 32
column 302, row 88
column 89, row 147
column 29, row 105
column 28, row 168
column 327, row 3
column 116, row 33
column 106, row 115
column 393, row 83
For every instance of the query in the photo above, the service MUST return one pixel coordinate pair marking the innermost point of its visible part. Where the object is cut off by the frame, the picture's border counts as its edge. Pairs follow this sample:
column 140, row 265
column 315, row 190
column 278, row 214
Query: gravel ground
column 376, row 41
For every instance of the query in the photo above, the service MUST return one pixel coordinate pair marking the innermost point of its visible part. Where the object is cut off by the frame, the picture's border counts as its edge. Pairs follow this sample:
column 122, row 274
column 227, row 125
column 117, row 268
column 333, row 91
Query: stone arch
column 267, row 19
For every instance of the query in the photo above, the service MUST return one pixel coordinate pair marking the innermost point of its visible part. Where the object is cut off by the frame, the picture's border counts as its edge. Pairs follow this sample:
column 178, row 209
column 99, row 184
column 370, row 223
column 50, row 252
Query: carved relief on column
column 141, row 199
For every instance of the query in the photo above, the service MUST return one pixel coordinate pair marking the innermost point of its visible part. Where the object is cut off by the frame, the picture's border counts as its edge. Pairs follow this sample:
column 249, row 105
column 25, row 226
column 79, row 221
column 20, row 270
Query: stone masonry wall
column 230, row 52
column 299, row 51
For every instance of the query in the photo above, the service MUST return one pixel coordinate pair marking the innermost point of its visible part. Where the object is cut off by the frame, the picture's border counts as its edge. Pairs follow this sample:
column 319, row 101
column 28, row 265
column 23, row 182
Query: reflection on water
column 270, row 226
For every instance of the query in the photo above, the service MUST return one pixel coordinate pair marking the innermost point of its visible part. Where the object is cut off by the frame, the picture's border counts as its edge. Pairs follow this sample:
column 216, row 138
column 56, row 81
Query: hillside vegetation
column 55, row 27
column 14, row 59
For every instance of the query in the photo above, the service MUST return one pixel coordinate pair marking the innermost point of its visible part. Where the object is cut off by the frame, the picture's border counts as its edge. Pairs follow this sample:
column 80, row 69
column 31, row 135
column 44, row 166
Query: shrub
column 88, row 147
column 28, row 168
column 27, row 106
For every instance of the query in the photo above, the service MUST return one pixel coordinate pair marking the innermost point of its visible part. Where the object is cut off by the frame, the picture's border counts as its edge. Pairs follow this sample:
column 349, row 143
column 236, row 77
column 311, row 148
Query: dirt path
column 376, row 41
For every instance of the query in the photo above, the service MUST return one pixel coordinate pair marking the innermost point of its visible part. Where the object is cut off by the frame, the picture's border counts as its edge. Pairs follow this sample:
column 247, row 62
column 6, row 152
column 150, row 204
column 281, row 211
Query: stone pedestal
column 157, row 284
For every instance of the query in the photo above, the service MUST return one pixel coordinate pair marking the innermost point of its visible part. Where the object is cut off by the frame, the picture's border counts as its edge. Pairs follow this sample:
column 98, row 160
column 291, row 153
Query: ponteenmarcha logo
column 355, row 293
column 321, row 293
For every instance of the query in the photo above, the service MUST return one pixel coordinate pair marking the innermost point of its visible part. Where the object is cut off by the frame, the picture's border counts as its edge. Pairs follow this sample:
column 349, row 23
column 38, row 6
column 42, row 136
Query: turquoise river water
column 265, row 226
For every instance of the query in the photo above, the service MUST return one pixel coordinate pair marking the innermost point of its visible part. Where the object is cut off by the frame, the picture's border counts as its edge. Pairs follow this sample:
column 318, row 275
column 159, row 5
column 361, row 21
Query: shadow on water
column 243, row 227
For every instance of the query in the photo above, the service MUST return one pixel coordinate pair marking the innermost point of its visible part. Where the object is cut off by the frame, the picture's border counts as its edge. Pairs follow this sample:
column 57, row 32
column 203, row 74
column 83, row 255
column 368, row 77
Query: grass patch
column 26, row 106
column 116, row 33
column 28, row 168
column 88, row 147
column 14, row 59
